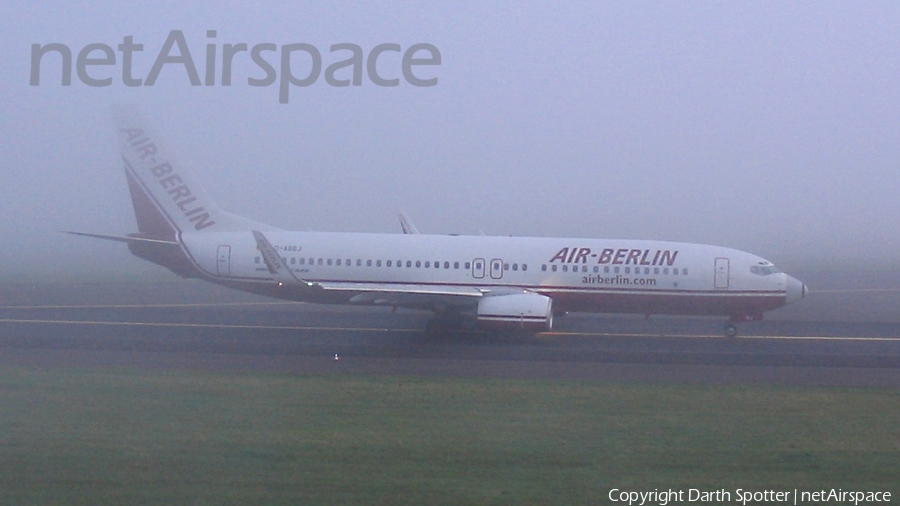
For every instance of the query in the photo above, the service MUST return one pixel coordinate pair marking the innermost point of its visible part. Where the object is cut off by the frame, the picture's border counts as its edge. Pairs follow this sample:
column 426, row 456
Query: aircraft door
column 496, row 268
column 223, row 260
column 722, row 272
column 478, row 268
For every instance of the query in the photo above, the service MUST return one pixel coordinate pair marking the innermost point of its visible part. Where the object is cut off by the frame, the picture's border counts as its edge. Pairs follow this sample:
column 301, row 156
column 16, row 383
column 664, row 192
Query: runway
column 133, row 326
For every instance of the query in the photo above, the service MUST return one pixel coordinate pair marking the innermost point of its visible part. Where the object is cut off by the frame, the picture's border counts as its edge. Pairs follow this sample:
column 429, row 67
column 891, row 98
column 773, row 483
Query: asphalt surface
column 207, row 329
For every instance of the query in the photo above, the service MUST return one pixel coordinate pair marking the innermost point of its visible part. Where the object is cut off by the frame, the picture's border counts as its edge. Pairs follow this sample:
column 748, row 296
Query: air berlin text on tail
column 171, row 182
column 346, row 69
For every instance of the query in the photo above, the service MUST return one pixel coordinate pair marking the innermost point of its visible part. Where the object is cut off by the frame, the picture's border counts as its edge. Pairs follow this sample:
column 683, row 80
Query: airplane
column 514, row 284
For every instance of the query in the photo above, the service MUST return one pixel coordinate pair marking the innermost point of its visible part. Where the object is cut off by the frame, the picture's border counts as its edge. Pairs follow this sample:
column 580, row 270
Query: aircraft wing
column 465, row 291
column 367, row 292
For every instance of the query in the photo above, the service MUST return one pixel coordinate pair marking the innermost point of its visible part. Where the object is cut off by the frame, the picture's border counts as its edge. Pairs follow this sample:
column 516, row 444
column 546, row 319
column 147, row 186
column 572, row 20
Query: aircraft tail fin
column 166, row 199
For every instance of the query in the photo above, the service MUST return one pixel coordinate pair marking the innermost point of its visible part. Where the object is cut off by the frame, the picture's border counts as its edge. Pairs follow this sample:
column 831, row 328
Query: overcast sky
column 768, row 127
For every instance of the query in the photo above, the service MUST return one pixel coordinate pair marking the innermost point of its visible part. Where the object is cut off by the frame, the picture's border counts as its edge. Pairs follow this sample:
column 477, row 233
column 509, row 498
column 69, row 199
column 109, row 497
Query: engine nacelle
column 518, row 311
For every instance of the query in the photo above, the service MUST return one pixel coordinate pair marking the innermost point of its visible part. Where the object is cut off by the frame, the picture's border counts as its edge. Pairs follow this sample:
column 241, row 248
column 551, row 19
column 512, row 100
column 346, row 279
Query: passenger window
column 468, row 265
column 553, row 268
column 368, row 263
column 329, row 261
column 524, row 267
column 437, row 265
column 684, row 272
column 596, row 269
column 544, row 267
column 606, row 269
column 666, row 270
column 388, row 263
column 515, row 267
column 409, row 263
column 347, row 262
column 616, row 269
column 628, row 270
column 337, row 262
column 427, row 264
column 302, row 261
column 446, row 265
column 646, row 270
column 656, row 270
column 320, row 261
column 358, row 262
column 565, row 268
column 378, row 263
column 418, row 263
column 505, row 267
column 456, row 265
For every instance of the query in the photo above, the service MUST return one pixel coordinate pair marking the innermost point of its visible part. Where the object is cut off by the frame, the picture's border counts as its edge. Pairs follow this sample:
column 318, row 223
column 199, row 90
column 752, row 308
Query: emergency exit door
column 496, row 268
column 478, row 268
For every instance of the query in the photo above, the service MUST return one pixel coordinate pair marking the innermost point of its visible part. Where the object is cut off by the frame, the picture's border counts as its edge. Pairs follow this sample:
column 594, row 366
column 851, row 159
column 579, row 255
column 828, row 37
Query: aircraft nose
column 796, row 290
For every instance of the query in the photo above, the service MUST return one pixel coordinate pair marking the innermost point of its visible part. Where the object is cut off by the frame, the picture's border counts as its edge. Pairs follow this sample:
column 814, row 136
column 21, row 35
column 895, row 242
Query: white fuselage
column 597, row 275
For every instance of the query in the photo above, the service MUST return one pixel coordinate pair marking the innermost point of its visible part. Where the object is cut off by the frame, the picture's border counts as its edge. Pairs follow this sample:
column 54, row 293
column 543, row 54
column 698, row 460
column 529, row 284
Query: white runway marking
column 379, row 329
column 716, row 336
column 823, row 338
column 856, row 290
column 198, row 325
column 140, row 306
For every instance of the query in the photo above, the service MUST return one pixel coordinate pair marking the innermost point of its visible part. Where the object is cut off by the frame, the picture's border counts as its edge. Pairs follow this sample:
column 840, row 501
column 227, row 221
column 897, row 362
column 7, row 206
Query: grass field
column 102, row 436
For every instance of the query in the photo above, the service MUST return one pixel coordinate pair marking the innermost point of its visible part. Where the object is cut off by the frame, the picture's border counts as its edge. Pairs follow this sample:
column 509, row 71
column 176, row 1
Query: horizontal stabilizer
column 120, row 238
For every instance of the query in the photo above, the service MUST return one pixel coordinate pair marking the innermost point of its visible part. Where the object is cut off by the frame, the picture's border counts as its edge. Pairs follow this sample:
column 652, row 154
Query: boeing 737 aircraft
column 515, row 283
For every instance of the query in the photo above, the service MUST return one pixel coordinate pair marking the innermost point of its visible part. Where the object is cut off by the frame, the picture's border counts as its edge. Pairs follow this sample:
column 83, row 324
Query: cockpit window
column 764, row 270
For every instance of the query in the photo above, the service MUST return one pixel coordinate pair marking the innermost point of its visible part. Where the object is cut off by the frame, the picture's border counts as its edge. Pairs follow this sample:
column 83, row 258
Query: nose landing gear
column 731, row 329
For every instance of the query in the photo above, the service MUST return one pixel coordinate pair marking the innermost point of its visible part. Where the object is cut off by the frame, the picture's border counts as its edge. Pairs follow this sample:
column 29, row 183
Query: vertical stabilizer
column 166, row 199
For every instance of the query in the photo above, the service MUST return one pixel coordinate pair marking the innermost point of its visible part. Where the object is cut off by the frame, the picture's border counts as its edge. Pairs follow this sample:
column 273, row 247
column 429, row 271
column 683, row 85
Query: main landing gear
column 444, row 324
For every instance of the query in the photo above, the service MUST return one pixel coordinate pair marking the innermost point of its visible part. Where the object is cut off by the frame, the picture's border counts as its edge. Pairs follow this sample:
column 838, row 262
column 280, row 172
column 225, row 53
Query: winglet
column 280, row 272
column 407, row 225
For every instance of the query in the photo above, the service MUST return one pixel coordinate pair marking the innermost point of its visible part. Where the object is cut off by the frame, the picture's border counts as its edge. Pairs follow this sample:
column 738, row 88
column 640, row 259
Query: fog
column 767, row 127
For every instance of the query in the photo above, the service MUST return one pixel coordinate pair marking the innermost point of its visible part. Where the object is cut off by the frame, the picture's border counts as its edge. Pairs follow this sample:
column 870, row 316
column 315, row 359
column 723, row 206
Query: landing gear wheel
column 730, row 330
column 443, row 325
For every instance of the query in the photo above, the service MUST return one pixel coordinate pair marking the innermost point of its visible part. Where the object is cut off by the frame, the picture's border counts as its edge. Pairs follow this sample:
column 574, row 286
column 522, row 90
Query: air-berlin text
column 622, row 256
column 300, row 64
column 170, row 181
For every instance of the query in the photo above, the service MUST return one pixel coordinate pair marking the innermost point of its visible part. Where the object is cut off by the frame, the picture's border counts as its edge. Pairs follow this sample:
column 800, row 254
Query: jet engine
column 517, row 311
